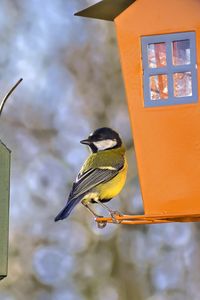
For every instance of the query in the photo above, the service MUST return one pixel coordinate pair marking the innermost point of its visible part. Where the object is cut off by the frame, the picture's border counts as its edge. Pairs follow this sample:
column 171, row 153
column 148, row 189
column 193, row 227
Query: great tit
column 103, row 174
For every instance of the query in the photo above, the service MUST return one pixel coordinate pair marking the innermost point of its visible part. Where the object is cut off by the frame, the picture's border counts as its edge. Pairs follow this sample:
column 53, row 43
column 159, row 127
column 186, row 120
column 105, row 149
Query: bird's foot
column 101, row 224
column 114, row 215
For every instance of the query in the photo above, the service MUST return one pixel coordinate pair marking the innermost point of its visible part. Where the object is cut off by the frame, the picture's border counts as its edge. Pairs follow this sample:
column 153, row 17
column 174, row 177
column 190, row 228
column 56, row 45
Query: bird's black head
column 103, row 139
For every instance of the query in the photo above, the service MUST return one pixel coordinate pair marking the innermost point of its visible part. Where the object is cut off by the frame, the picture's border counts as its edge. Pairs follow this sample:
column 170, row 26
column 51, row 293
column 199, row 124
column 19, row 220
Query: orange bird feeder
column 159, row 46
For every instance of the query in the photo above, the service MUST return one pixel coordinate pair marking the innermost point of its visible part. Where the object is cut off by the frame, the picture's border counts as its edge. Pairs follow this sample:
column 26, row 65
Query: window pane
column 159, row 87
column 181, row 52
column 182, row 84
column 157, row 55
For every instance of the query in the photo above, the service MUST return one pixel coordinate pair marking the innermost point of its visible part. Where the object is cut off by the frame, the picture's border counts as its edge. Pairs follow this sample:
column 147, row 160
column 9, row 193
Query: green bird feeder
column 5, row 155
column 4, row 207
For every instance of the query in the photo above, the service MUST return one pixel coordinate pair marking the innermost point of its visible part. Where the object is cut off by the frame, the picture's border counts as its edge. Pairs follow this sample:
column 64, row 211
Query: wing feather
column 93, row 177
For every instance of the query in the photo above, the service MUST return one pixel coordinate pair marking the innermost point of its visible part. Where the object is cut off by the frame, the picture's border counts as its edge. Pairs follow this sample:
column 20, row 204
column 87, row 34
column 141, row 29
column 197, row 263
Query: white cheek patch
column 105, row 144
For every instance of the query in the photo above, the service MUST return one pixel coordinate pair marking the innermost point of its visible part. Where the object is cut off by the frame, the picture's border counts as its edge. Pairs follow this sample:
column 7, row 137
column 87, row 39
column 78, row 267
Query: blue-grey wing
column 90, row 179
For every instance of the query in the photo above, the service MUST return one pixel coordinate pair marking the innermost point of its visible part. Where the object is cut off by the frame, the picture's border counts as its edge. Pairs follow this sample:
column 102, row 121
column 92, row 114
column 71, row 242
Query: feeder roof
column 106, row 9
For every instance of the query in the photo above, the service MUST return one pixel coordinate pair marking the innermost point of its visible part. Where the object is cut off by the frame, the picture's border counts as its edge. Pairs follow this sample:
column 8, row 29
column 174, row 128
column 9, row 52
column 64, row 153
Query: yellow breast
column 113, row 187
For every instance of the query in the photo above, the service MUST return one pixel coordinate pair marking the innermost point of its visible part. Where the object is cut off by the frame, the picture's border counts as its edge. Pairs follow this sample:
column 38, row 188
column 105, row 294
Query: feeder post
column 4, row 195
column 4, row 207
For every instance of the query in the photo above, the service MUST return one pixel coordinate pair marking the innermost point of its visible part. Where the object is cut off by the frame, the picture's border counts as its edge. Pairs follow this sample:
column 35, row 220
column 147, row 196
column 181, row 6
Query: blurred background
column 72, row 85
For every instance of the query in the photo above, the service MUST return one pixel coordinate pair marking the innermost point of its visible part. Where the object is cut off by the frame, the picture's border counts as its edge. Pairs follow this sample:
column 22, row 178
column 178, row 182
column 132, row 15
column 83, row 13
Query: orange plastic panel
column 167, row 139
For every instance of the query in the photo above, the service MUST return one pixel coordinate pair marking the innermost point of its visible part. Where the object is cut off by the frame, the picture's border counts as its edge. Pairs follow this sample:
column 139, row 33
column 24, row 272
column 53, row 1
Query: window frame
column 169, row 69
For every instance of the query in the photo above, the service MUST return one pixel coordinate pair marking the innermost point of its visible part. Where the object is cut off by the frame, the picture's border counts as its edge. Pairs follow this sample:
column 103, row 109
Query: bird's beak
column 85, row 142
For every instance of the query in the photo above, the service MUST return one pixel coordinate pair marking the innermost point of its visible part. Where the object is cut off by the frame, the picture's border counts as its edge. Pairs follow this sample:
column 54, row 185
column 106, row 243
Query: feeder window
column 170, row 70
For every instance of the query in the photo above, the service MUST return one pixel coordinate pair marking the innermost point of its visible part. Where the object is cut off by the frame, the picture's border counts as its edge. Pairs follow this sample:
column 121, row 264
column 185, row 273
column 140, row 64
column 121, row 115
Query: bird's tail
column 65, row 212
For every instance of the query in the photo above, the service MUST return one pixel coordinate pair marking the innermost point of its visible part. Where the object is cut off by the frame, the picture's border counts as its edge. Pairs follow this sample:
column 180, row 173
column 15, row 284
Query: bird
column 102, row 175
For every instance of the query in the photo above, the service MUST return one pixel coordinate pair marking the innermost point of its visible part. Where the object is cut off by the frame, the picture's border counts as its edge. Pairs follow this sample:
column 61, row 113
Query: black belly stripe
column 101, row 200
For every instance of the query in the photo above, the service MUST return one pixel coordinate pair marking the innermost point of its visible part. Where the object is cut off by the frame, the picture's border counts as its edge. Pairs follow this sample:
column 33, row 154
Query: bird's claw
column 115, row 214
column 101, row 224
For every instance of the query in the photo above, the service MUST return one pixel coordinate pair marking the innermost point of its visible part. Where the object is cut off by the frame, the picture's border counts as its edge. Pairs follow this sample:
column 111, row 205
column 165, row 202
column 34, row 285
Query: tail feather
column 65, row 212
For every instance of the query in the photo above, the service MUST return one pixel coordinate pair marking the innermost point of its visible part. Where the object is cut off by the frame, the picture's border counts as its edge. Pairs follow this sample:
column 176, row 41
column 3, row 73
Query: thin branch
column 8, row 94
